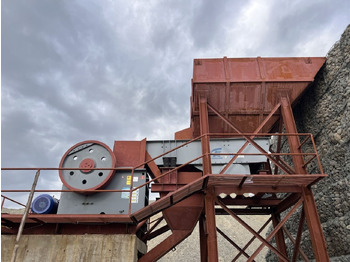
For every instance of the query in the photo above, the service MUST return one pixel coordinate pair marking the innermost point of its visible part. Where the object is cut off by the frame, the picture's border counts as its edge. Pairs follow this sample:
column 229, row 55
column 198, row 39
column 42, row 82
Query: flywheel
column 88, row 156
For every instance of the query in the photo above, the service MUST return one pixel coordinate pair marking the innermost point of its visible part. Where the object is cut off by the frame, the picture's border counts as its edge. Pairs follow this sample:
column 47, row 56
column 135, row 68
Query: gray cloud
column 78, row 70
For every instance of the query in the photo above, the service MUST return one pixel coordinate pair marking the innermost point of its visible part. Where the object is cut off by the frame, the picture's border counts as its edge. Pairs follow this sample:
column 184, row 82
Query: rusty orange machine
column 241, row 155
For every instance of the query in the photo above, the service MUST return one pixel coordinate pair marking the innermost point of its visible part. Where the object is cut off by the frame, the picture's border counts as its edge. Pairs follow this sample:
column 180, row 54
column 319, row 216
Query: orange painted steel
column 241, row 98
column 247, row 89
column 12, row 200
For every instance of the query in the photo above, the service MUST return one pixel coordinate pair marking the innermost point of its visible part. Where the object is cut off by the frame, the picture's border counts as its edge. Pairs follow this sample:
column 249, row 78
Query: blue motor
column 45, row 204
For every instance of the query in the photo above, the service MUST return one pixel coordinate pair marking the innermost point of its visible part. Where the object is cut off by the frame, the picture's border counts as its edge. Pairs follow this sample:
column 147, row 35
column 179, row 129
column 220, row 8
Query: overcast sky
column 121, row 70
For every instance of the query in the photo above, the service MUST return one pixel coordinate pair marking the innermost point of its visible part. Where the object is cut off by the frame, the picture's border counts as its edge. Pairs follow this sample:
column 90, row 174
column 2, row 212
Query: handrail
column 132, row 169
column 10, row 199
column 171, row 150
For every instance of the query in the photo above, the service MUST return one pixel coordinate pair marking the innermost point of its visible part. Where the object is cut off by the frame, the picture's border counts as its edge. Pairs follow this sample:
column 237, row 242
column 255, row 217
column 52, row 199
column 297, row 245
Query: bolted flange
column 86, row 165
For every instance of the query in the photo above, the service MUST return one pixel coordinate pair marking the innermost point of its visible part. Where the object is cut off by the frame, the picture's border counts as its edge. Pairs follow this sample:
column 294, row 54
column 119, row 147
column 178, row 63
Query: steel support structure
column 209, row 199
column 204, row 129
column 312, row 218
column 314, row 224
column 203, row 238
column 305, row 196
column 281, row 245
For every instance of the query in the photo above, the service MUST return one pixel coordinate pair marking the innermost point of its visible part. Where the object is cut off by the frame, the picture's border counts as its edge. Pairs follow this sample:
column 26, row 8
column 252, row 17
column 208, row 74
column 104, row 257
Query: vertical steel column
column 212, row 244
column 312, row 218
column 203, row 239
column 204, row 129
column 315, row 228
column 298, row 239
column 209, row 201
column 281, row 245
column 294, row 142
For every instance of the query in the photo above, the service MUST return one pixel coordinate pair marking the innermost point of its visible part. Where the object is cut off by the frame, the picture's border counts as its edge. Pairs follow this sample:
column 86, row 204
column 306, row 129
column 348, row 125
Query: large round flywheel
column 87, row 155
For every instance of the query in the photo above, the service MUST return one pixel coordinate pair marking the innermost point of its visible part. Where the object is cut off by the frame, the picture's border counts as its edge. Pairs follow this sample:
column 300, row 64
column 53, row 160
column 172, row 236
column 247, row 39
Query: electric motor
column 44, row 204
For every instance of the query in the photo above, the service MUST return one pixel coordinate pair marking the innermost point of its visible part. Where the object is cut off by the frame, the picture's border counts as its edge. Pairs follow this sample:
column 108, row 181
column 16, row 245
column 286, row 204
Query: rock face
column 324, row 111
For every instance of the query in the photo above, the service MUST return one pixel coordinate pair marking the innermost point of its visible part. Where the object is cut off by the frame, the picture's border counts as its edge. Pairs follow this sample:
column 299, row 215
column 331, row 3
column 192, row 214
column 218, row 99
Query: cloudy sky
column 121, row 70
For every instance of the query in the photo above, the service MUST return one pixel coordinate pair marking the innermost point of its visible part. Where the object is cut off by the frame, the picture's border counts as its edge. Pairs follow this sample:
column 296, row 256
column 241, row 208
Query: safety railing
column 11, row 200
column 273, row 157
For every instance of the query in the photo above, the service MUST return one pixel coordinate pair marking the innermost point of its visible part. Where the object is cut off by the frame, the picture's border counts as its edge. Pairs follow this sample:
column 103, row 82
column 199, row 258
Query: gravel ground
column 189, row 250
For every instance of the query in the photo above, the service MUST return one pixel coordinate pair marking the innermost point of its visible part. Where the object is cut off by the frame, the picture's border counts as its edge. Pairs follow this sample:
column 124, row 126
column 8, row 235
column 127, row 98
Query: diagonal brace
column 249, row 140
column 277, row 228
column 251, row 230
column 252, row 239
column 246, row 143
column 231, row 242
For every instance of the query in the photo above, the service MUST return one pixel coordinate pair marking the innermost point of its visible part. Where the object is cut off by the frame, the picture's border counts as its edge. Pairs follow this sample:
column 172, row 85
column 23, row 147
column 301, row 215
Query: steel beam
column 145, row 237
column 252, row 239
column 287, row 202
column 203, row 239
column 252, row 202
column 312, row 218
column 158, row 232
column 245, row 211
column 204, row 129
column 289, row 235
column 209, row 199
column 298, row 240
column 211, row 225
column 274, row 231
column 294, row 142
column 246, row 143
column 155, row 171
column 315, row 228
column 251, row 230
column 285, row 168
column 232, row 243
column 165, row 246
column 281, row 245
